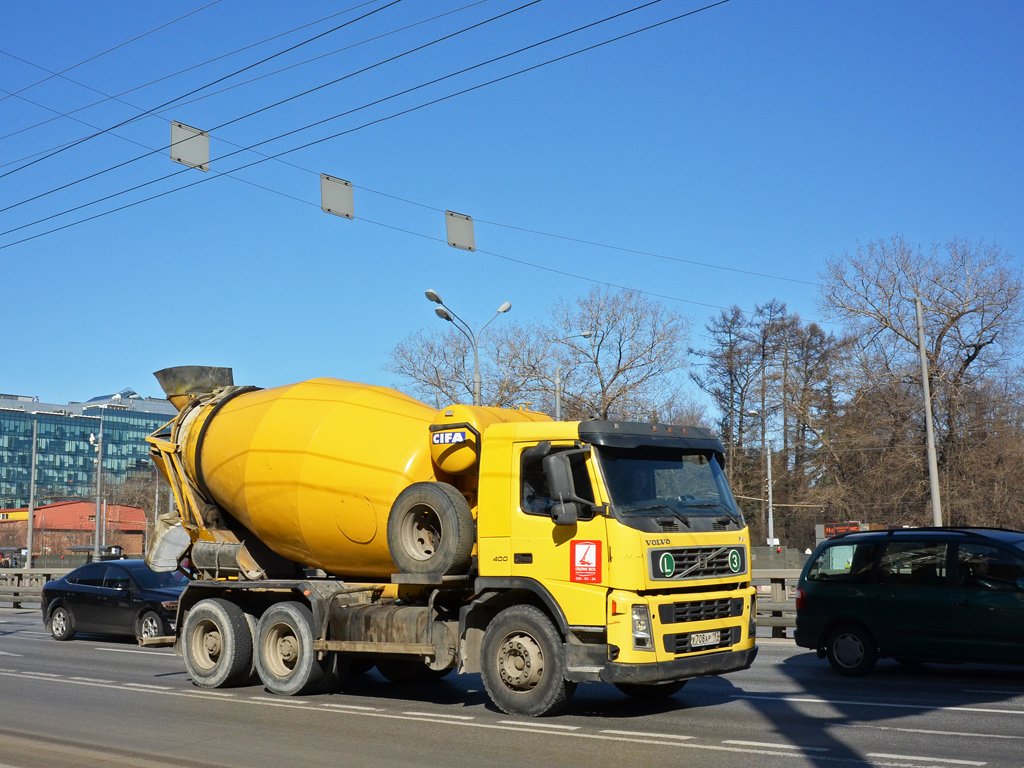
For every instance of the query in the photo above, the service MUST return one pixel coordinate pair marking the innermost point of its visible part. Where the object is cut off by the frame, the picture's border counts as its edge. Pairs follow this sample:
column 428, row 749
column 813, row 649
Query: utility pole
column 933, row 465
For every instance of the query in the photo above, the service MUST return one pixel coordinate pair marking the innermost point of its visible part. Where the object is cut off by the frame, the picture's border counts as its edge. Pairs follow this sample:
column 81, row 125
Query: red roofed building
column 58, row 527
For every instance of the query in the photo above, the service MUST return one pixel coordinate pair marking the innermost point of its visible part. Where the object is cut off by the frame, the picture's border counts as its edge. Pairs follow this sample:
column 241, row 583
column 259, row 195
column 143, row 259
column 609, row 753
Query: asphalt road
column 103, row 702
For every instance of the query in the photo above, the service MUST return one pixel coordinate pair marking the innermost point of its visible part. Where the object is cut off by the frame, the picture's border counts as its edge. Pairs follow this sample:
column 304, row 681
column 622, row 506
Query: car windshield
column 650, row 481
column 152, row 580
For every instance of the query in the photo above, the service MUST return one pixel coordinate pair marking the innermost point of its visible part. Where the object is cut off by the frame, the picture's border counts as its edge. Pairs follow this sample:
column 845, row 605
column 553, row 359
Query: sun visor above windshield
column 631, row 434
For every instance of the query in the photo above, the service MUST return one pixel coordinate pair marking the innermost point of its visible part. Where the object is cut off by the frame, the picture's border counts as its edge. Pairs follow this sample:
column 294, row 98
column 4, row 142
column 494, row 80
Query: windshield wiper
column 652, row 507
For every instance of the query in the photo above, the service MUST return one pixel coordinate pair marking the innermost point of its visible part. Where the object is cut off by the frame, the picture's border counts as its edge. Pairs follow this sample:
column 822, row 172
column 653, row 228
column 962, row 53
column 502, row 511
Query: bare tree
column 631, row 365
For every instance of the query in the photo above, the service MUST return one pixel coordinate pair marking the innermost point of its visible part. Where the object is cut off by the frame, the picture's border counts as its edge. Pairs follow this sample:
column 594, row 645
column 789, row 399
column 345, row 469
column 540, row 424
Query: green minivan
column 914, row 595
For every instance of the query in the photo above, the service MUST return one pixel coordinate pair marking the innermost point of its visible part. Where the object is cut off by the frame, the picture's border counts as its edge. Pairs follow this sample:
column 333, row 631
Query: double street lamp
column 445, row 313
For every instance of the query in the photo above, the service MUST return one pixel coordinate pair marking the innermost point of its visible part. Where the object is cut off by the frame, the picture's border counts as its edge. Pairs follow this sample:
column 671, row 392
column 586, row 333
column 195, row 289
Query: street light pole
column 558, row 374
column 445, row 313
column 766, row 452
column 99, row 489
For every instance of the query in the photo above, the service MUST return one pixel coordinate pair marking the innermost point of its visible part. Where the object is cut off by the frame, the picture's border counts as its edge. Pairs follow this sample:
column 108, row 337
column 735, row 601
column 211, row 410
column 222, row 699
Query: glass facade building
column 66, row 442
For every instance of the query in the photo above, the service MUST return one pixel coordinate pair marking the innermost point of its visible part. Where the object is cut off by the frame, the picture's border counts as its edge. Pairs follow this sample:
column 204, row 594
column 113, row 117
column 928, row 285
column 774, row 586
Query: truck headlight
column 642, row 638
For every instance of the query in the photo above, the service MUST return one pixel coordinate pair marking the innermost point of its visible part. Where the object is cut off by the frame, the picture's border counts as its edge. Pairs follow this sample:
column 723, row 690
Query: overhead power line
column 116, row 97
column 109, row 50
column 277, row 104
column 197, row 90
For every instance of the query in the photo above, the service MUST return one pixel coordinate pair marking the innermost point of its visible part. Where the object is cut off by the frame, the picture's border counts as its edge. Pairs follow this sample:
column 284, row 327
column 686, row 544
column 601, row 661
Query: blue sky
column 744, row 144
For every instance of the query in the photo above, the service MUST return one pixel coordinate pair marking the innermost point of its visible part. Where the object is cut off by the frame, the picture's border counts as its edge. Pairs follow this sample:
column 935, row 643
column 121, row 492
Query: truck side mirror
column 558, row 471
column 565, row 513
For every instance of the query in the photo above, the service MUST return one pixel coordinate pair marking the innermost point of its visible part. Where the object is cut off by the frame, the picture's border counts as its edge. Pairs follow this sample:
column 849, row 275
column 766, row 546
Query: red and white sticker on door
column 586, row 561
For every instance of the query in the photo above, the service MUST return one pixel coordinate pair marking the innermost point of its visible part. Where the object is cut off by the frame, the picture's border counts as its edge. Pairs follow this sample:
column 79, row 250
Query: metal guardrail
column 776, row 588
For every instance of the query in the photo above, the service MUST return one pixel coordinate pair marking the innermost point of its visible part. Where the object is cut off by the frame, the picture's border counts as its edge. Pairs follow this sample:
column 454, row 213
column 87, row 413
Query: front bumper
column 679, row 669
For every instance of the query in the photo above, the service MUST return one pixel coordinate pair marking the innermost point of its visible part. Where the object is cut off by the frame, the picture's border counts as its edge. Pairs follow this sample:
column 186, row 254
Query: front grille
column 696, row 562
column 701, row 610
column 680, row 643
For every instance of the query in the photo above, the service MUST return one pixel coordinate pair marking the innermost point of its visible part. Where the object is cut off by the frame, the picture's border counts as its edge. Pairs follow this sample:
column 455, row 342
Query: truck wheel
column 522, row 664
column 149, row 625
column 60, row 624
column 851, row 651
column 285, row 659
column 651, row 691
column 217, row 644
column 431, row 530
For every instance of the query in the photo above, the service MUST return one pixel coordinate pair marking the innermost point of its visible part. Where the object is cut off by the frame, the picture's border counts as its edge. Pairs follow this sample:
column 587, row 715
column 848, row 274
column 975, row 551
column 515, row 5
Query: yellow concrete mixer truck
column 329, row 525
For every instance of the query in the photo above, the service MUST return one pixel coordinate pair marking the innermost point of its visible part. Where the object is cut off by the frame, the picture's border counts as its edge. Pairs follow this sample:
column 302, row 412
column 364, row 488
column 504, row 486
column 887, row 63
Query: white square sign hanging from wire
column 336, row 196
column 190, row 146
column 460, row 231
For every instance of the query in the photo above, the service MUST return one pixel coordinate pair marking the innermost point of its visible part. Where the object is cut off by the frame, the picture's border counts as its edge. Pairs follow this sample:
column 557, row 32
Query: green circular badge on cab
column 734, row 561
column 667, row 564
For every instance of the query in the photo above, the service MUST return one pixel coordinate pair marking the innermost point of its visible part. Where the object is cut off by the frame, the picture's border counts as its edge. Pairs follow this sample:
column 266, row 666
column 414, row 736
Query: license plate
column 705, row 638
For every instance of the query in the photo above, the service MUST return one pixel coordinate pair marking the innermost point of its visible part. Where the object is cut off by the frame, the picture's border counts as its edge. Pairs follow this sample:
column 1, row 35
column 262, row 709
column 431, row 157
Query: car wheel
column 61, row 626
column 851, row 651
column 149, row 625
column 651, row 692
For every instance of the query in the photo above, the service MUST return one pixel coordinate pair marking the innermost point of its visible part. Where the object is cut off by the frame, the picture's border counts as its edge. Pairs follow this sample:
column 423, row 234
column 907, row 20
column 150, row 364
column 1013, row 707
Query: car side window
column 91, row 576
column 914, row 563
column 847, row 563
column 982, row 566
column 117, row 578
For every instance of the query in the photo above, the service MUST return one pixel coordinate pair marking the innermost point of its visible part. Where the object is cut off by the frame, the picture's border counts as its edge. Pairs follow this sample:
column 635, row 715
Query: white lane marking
column 540, row 726
column 926, row 731
column 642, row 734
column 168, row 653
column 929, row 759
column 353, row 707
column 884, row 704
column 148, row 687
column 774, row 746
column 8, row 653
column 440, row 714
column 271, row 700
column 507, row 725
column 90, row 680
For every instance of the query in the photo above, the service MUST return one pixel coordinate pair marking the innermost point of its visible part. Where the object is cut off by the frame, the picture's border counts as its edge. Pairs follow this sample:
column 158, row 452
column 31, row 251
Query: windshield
column 655, row 482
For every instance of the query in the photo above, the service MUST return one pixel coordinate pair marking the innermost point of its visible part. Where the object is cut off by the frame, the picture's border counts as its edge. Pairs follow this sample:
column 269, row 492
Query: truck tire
column 431, row 530
column 217, row 644
column 522, row 664
column 651, row 691
column 285, row 659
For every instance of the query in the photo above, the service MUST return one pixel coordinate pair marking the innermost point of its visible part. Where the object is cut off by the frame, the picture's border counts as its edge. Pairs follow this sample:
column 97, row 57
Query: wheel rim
column 150, row 627
column 520, row 662
column 282, row 650
column 60, row 622
column 848, row 650
column 421, row 533
column 206, row 645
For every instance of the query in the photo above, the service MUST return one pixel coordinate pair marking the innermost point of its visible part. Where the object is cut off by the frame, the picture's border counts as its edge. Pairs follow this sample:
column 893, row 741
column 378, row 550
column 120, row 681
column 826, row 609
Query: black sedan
column 117, row 597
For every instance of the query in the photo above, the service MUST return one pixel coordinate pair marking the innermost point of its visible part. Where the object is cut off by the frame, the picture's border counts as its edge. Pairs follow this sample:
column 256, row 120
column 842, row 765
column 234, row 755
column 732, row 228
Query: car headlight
column 643, row 640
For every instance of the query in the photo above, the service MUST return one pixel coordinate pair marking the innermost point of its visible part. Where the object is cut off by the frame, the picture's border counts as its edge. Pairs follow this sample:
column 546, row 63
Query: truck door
column 570, row 559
